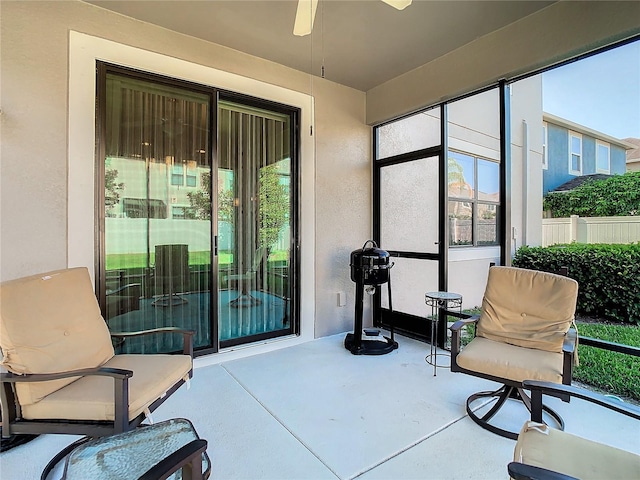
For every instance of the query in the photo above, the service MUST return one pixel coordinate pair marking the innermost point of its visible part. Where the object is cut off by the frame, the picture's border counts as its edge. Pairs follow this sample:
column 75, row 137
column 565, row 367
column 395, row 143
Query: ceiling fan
column 307, row 11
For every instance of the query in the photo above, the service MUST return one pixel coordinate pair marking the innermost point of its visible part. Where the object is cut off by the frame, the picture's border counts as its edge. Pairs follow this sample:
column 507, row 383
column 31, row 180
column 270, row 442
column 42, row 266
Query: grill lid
column 370, row 264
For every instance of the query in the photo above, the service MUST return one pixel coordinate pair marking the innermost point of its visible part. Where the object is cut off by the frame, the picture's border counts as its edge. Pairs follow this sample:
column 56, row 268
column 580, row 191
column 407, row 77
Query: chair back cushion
column 51, row 323
column 527, row 308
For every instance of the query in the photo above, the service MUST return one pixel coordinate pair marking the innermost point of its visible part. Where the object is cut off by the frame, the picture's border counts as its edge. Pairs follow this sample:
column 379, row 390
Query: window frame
column 602, row 143
column 152, row 209
column 572, row 171
column 475, row 202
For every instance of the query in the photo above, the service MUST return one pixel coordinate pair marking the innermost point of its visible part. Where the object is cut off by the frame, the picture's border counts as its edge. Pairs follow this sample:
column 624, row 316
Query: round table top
column 443, row 296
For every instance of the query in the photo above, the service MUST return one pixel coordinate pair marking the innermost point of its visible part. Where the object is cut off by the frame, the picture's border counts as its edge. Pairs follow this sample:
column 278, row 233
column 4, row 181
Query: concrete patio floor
column 314, row 411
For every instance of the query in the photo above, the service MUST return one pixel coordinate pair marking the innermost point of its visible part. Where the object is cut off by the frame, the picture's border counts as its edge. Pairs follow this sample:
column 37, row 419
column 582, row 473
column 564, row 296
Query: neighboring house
column 572, row 150
column 633, row 155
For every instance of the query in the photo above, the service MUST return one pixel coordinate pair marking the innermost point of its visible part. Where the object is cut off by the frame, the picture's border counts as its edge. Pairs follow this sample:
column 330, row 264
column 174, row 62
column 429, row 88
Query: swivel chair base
column 245, row 300
column 503, row 394
column 172, row 300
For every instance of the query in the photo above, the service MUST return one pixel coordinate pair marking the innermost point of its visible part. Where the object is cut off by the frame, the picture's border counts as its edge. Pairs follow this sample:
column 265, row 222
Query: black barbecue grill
column 371, row 267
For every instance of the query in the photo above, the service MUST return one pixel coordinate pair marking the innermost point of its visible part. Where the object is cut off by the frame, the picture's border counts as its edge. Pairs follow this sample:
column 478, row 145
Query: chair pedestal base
column 172, row 300
column 245, row 300
column 503, row 394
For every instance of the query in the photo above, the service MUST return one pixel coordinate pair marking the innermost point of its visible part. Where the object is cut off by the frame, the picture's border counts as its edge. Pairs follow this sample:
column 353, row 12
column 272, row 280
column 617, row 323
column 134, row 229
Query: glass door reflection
column 254, row 228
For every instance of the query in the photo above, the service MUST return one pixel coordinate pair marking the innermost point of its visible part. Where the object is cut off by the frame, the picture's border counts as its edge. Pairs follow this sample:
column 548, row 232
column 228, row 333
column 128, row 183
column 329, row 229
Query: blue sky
column 601, row 92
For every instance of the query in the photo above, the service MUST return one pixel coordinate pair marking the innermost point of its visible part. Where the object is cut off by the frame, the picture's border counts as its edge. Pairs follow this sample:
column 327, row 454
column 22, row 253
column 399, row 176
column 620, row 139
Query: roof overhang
column 563, row 122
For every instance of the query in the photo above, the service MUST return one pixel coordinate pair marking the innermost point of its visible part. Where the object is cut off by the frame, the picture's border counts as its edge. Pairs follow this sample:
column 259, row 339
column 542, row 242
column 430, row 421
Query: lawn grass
column 121, row 261
column 610, row 372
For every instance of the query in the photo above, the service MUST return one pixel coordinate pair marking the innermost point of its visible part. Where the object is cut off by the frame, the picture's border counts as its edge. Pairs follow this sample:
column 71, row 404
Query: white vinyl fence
column 590, row 230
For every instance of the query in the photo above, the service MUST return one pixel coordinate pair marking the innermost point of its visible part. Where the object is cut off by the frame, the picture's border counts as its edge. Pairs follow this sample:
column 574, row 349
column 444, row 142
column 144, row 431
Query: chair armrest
column 190, row 453
column 45, row 377
column 539, row 388
column 465, row 319
column 187, row 348
column 521, row 471
column 120, row 389
column 611, row 346
column 134, row 288
column 569, row 352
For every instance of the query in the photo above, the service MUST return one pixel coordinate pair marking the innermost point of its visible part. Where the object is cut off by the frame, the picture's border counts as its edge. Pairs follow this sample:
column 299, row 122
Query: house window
column 545, row 142
column 603, row 159
column 177, row 175
column 178, row 212
column 474, row 195
column 575, row 153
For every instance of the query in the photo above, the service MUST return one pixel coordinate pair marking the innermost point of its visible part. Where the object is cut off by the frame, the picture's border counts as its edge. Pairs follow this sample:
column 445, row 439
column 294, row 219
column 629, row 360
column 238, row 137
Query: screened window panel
column 408, row 193
column 418, row 131
column 410, row 280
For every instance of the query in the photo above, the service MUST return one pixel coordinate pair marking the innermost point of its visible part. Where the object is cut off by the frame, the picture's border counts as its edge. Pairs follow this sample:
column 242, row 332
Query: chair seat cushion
column 92, row 397
column 562, row 452
column 510, row 361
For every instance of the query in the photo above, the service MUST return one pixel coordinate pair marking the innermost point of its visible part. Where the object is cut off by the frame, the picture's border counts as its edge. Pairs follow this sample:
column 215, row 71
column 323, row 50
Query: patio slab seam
column 408, row 447
column 277, row 419
column 323, row 462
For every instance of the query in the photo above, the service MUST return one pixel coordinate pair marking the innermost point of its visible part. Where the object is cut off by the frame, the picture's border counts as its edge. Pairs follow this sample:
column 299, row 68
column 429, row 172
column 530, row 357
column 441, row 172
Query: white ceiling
column 361, row 43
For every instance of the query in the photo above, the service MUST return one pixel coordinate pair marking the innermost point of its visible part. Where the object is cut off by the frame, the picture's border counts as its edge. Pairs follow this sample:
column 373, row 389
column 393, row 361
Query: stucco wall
column 34, row 170
column 618, row 159
column 526, row 162
column 557, row 172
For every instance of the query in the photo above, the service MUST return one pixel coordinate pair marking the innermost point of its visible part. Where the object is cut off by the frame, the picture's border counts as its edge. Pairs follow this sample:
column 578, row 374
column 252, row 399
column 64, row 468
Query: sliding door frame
column 294, row 213
column 215, row 95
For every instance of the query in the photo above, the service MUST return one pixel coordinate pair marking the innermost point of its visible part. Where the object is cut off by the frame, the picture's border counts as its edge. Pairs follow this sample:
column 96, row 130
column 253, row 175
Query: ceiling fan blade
column 399, row 4
column 304, row 17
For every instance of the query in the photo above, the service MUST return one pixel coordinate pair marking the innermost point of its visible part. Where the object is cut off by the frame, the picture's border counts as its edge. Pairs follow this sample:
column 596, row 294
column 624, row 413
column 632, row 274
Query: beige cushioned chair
column 63, row 376
column 523, row 332
column 543, row 452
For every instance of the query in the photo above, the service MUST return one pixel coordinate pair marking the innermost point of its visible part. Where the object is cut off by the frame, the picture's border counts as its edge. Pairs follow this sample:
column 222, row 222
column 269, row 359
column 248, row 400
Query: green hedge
column 618, row 195
column 608, row 276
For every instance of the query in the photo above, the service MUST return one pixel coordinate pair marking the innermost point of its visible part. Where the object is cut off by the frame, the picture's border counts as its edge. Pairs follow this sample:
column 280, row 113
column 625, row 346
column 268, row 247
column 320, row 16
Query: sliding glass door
column 254, row 222
column 196, row 212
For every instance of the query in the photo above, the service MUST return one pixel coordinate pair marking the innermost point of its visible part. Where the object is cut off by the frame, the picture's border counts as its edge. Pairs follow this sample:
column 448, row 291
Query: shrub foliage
column 608, row 276
column 618, row 195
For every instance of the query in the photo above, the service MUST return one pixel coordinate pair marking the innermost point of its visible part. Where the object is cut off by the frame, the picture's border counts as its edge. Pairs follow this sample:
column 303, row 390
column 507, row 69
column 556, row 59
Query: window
column 144, row 208
column 545, row 142
column 474, row 195
column 603, row 158
column 575, row 153
column 177, row 175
